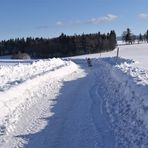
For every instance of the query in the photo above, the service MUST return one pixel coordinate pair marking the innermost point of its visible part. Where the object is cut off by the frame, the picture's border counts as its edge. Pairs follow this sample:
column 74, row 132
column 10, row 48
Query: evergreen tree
column 112, row 39
column 140, row 38
column 127, row 36
column 146, row 36
column 61, row 46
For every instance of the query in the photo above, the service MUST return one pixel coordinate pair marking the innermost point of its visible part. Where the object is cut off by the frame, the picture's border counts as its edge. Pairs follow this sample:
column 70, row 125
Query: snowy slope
column 136, row 52
column 60, row 103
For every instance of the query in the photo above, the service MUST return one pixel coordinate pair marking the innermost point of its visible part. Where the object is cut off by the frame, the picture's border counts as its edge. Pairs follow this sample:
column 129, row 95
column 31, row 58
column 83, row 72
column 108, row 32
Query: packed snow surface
column 57, row 103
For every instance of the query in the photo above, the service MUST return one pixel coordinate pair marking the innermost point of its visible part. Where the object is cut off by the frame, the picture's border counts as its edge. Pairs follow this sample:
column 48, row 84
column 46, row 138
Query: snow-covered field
column 137, row 52
column 66, row 104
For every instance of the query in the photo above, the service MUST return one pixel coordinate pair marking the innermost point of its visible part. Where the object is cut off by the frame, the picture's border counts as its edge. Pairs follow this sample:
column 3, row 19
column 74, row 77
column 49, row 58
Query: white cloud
column 98, row 20
column 59, row 23
column 102, row 19
column 143, row 15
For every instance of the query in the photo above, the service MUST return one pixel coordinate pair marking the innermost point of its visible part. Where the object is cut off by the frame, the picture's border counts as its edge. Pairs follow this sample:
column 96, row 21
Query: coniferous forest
column 61, row 46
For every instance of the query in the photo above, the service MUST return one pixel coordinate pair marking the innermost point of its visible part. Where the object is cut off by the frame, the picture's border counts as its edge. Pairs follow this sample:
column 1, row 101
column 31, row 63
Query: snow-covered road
column 66, row 111
column 72, row 124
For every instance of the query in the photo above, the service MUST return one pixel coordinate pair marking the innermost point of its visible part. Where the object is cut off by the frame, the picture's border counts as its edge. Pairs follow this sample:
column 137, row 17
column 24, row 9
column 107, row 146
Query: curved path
column 75, row 118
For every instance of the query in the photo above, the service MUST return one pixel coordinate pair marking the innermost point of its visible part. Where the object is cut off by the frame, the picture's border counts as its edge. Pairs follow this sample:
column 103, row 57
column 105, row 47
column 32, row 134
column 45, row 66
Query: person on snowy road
column 89, row 62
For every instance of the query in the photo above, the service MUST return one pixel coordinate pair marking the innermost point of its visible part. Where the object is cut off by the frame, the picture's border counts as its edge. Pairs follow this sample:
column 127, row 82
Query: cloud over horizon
column 94, row 21
column 59, row 23
column 143, row 15
column 102, row 19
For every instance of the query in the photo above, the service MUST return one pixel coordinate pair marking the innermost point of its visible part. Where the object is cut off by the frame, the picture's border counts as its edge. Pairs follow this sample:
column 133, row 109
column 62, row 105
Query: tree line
column 130, row 38
column 61, row 46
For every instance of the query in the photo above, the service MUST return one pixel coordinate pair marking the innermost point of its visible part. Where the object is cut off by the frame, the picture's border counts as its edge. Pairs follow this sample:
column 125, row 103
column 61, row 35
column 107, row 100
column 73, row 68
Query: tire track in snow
column 100, row 118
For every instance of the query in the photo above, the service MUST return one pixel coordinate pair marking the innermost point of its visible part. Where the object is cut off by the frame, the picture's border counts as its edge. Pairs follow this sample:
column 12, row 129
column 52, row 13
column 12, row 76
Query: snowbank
column 11, row 75
column 21, row 84
column 126, row 96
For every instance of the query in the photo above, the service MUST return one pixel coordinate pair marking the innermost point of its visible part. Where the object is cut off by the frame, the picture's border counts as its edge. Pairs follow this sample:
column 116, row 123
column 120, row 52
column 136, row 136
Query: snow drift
column 125, row 92
column 25, row 83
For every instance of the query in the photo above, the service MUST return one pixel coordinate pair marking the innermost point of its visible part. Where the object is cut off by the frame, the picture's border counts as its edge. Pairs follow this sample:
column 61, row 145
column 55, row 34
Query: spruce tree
column 112, row 39
column 146, row 36
column 127, row 36
column 140, row 38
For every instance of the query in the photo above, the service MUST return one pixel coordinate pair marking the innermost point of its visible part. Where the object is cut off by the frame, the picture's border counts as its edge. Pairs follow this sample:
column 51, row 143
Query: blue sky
column 49, row 18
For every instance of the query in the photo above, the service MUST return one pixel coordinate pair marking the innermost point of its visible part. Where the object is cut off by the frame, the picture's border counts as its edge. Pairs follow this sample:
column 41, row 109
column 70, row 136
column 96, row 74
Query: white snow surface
column 24, row 84
column 59, row 103
column 136, row 52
